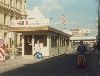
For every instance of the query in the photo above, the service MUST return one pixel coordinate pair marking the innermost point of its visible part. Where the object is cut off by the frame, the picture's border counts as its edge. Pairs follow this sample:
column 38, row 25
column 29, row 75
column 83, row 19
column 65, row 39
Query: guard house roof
column 36, row 28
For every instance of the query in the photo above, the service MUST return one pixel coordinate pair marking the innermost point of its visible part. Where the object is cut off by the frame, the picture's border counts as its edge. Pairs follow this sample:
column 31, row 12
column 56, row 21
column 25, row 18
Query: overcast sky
column 79, row 13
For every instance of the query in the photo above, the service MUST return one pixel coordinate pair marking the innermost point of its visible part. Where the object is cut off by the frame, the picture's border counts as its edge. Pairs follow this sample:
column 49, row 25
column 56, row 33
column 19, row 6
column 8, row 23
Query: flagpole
column 98, row 40
column 63, row 19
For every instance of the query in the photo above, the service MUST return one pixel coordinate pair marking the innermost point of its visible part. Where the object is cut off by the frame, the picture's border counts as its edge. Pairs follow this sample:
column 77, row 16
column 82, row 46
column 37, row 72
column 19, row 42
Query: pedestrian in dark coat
column 81, row 51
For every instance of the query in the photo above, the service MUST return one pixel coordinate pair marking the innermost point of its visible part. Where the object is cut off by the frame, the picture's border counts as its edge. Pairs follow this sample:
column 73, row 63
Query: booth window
column 41, row 38
column 53, row 41
column 63, row 42
column 67, row 42
column 60, row 41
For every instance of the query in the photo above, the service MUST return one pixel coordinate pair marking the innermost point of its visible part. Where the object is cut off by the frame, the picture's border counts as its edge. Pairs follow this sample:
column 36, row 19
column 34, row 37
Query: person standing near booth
column 2, row 52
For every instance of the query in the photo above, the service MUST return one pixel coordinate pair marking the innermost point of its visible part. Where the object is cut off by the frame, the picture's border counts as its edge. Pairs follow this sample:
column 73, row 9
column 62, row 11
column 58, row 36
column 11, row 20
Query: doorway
column 28, row 45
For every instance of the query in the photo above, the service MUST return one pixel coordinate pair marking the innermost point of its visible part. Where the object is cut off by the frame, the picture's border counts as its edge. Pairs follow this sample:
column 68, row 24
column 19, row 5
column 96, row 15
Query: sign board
column 30, row 22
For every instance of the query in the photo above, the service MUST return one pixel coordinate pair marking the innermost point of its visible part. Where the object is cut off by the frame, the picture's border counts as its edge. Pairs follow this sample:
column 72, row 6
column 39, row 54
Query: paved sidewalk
column 19, row 61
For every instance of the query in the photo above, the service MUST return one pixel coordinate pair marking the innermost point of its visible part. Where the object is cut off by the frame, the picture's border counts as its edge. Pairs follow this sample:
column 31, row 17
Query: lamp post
column 98, row 20
column 98, row 39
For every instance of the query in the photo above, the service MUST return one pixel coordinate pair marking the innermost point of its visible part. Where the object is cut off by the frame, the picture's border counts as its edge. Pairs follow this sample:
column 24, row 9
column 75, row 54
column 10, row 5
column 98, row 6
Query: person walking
column 38, row 53
column 81, row 51
column 98, row 51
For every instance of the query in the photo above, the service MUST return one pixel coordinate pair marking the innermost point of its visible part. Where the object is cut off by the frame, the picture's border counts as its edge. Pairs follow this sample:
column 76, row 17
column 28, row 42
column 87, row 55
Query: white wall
column 62, row 50
column 48, row 50
column 52, row 51
column 57, row 50
column 44, row 50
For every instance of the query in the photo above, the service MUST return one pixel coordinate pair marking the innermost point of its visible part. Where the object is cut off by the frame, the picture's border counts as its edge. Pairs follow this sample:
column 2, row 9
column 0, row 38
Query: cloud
column 70, row 1
column 50, row 6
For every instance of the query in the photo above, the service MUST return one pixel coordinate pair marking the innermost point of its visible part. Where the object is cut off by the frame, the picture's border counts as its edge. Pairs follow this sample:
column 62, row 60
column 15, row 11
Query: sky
column 78, row 13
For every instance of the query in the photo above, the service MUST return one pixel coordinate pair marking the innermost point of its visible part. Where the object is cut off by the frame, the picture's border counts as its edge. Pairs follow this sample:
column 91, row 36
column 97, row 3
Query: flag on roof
column 63, row 19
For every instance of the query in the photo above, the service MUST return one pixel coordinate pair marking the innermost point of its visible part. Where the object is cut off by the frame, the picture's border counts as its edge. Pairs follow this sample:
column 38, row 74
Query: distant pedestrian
column 94, row 48
column 98, row 46
column 81, row 51
column 98, row 50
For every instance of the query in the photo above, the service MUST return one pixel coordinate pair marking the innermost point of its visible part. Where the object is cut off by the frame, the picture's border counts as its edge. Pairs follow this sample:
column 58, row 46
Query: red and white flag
column 63, row 19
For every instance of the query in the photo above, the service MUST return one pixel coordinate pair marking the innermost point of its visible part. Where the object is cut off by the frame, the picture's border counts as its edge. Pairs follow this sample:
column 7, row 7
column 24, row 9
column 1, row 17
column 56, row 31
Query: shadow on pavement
column 63, row 65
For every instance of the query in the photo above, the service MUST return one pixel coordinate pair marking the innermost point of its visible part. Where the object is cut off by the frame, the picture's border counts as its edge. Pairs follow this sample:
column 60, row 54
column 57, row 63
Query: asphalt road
column 64, row 65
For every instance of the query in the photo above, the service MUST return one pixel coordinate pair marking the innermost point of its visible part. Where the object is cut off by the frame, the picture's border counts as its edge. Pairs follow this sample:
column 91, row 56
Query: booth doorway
column 28, row 45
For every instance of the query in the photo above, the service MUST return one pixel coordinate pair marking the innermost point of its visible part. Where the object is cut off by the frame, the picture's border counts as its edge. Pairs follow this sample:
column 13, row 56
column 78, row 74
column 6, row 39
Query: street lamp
column 98, row 37
column 98, row 20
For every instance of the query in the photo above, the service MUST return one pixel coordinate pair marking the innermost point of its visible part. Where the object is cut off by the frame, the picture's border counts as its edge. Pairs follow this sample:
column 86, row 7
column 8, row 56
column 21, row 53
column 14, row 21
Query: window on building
column 10, row 2
column 5, row 16
column 53, row 41
column 16, row 3
column 11, row 17
column 60, row 41
column 67, row 42
column 41, row 38
column 63, row 42
column 4, row 1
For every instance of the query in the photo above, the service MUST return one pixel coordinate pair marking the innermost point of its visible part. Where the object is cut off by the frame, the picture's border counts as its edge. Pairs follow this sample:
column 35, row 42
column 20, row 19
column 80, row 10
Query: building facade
column 10, row 10
column 82, row 34
column 52, row 41
column 37, row 28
